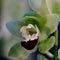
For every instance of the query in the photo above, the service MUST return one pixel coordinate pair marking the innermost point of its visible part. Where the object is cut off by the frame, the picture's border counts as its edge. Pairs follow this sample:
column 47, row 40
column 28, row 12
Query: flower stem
column 55, row 53
column 56, row 46
column 49, row 54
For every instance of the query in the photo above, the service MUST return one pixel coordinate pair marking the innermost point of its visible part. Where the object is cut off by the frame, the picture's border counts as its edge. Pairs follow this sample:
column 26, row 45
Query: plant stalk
column 56, row 46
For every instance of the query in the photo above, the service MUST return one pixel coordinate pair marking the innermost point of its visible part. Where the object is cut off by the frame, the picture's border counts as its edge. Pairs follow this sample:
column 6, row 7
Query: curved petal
column 47, row 24
column 54, row 6
column 24, row 32
column 17, row 51
column 33, row 18
column 50, row 26
column 39, row 6
column 14, row 27
column 46, row 45
column 52, row 22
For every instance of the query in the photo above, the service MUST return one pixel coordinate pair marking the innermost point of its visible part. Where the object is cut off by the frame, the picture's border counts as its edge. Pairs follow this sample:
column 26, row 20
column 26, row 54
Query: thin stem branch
column 56, row 46
column 50, row 54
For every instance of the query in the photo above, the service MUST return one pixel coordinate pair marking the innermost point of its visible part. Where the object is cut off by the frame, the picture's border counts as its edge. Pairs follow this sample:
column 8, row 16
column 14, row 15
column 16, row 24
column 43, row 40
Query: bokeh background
column 13, row 10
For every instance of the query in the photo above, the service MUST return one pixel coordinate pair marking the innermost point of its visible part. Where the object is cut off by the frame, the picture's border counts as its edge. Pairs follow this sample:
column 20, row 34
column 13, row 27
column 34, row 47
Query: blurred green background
column 10, row 10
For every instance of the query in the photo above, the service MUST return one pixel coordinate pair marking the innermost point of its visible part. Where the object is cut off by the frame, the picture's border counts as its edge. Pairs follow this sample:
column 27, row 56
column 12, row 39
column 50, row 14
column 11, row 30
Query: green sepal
column 14, row 27
column 46, row 45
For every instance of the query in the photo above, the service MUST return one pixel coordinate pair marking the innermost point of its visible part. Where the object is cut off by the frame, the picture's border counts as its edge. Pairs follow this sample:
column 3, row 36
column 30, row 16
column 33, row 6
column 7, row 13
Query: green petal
column 46, row 45
column 40, row 22
column 34, row 18
column 50, row 25
column 14, row 27
column 47, row 24
column 54, row 6
column 44, row 7
column 39, row 6
column 31, row 14
column 52, row 22
column 17, row 51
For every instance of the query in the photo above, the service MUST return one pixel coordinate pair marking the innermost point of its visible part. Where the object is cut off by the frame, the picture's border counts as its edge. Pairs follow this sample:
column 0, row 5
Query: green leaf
column 46, row 45
column 17, row 51
column 14, row 27
column 39, row 6
column 54, row 6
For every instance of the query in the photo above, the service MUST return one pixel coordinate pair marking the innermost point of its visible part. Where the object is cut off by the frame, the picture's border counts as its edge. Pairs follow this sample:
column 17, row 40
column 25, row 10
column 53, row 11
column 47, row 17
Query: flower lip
column 29, row 45
column 30, row 35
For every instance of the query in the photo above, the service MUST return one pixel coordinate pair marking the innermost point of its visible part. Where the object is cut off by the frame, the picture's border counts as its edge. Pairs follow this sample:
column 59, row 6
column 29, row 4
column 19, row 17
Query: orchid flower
column 35, row 29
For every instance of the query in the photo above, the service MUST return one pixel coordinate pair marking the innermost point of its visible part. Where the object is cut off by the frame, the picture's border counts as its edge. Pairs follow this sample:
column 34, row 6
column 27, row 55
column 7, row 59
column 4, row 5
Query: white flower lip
column 31, row 36
column 30, row 28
